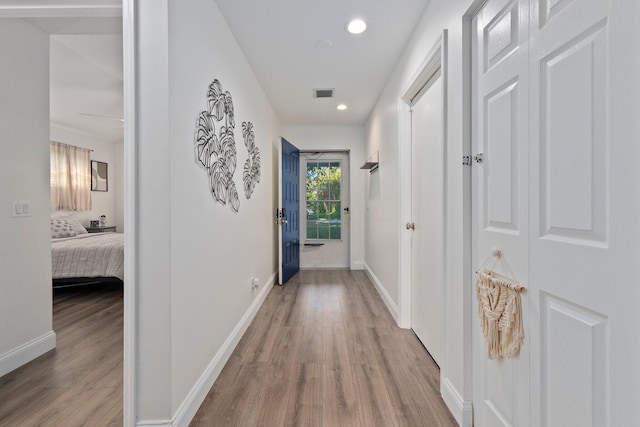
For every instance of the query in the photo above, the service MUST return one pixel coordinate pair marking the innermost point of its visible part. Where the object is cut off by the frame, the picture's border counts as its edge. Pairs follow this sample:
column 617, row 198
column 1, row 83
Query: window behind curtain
column 70, row 177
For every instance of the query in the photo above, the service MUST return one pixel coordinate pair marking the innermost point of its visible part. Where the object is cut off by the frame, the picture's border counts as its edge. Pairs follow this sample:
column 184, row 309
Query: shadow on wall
column 374, row 186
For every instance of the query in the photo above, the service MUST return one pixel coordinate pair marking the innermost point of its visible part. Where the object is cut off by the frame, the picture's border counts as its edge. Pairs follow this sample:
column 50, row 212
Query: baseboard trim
column 187, row 410
column 462, row 410
column 26, row 352
column 357, row 265
column 154, row 423
column 391, row 306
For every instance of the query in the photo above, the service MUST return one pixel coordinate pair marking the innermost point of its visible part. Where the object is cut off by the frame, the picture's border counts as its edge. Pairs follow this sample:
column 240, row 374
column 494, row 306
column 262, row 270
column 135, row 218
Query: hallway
column 324, row 351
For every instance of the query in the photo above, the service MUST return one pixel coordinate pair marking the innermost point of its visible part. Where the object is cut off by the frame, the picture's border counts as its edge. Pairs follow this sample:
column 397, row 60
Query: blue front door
column 290, row 213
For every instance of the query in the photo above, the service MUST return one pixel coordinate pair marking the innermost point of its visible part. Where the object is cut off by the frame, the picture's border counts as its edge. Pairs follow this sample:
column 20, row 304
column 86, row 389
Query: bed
column 80, row 258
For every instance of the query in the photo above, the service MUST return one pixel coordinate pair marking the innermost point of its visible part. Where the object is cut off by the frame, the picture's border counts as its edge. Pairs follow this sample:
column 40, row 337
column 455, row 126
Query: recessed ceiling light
column 356, row 26
column 342, row 107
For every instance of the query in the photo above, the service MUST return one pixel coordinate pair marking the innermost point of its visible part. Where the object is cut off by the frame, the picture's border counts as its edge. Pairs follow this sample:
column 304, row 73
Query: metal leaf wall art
column 216, row 151
column 251, row 175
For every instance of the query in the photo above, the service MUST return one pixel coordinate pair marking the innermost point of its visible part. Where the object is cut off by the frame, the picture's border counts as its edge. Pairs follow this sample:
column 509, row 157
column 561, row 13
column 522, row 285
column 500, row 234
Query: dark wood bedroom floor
column 80, row 382
column 324, row 351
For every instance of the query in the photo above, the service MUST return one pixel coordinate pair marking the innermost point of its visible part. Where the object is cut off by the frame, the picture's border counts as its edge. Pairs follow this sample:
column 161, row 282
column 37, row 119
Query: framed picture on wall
column 99, row 176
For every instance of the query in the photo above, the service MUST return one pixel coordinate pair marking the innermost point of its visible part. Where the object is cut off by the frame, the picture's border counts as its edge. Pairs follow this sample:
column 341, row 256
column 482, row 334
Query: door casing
column 58, row 9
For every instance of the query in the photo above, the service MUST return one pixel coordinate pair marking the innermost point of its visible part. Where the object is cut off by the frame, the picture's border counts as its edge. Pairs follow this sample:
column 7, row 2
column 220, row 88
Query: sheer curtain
column 70, row 177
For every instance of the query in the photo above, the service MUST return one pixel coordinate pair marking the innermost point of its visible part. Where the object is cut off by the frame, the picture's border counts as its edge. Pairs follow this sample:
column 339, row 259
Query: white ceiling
column 278, row 38
column 86, row 84
column 86, row 79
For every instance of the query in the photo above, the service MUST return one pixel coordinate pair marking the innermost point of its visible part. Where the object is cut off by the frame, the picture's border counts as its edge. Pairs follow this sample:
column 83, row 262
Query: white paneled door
column 549, row 192
column 500, row 194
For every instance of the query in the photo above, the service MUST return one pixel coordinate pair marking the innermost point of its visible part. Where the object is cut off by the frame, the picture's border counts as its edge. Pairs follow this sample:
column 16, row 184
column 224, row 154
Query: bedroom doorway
column 86, row 99
column 65, row 26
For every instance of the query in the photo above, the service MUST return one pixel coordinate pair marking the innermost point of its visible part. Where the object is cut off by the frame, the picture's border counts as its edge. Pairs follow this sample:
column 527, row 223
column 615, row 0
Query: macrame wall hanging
column 500, row 311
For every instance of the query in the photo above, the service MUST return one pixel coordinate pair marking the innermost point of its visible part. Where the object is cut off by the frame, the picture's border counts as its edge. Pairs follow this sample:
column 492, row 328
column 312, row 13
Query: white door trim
column 435, row 60
column 130, row 212
column 34, row 9
column 126, row 9
column 467, row 266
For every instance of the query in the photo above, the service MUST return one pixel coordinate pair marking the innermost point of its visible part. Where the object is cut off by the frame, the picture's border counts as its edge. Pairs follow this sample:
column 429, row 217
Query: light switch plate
column 21, row 208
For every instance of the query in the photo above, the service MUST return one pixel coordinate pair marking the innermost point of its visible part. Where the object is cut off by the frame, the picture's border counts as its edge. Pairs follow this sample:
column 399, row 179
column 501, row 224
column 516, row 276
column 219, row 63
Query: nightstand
column 109, row 229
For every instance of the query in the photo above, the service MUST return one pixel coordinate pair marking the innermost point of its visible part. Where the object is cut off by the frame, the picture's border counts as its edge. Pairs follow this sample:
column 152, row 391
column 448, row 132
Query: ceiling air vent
column 323, row 93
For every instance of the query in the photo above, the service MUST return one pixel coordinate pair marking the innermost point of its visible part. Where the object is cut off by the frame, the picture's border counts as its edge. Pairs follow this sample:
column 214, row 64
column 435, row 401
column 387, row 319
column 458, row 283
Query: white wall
column 109, row 203
column 383, row 225
column 215, row 251
column 25, row 252
column 195, row 257
column 340, row 138
column 153, row 251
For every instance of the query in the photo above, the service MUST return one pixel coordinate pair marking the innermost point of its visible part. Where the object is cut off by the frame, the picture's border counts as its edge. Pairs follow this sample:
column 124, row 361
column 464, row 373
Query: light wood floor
column 324, row 351
column 80, row 382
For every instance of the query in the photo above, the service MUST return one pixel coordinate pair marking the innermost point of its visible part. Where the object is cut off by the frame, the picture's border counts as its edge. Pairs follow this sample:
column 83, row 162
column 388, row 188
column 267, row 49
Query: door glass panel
column 324, row 200
column 334, row 183
column 312, row 218
column 335, row 221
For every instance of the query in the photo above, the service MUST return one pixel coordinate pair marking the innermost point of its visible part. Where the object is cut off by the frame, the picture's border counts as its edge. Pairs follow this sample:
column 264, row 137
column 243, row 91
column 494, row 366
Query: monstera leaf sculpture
column 251, row 174
column 216, row 151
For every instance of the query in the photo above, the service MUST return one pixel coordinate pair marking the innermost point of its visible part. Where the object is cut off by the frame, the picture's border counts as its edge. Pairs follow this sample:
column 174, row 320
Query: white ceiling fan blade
column 102, row 117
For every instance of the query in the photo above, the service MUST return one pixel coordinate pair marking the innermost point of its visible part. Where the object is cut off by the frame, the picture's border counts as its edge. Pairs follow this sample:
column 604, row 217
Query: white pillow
column 76, row 226
column 60, row 228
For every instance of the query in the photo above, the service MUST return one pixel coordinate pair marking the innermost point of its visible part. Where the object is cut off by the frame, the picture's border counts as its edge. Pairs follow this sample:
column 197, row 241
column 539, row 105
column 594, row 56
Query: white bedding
column 88, row 255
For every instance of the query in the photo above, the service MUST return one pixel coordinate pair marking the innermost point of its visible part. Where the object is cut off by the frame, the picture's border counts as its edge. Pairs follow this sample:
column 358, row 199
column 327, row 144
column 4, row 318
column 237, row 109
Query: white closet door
column 576, row 197
column 427, row 240
column 500, row 195
column 557, row 192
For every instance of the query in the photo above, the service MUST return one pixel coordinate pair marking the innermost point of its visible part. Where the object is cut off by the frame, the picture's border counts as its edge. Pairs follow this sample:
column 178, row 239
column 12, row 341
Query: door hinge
column 479, row 158
column 410, row 226
column 466, row 160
